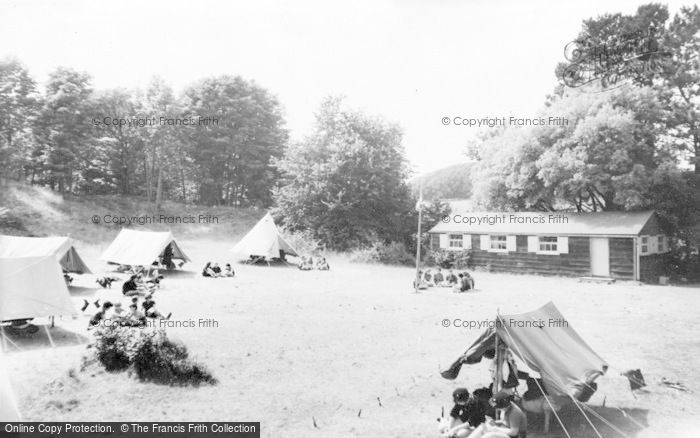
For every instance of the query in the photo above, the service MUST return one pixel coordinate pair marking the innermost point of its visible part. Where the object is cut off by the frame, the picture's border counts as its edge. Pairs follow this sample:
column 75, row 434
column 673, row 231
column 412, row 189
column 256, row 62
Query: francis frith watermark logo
column 612, row 61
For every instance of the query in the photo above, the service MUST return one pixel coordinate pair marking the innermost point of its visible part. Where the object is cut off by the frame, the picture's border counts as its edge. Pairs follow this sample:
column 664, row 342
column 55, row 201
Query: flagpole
column 416, row 283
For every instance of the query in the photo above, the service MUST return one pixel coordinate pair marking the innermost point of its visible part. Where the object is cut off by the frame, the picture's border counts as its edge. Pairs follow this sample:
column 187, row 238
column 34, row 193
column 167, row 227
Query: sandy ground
column 355, row 350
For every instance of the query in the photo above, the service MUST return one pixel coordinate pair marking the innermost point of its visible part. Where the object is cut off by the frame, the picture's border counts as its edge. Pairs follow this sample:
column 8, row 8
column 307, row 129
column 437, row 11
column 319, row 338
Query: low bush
column 393, row 253
column 449, row 259
column 303, row 241
column 150, row 353
column 684, row 265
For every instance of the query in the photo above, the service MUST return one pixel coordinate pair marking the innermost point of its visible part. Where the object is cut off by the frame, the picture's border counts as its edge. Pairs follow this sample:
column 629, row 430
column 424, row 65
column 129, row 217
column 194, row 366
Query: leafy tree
column 232, row 159
column 673, row 68
column 118, row 148
column 18, row 105
column 606, row 158
column 346, row 182
column 63, row 128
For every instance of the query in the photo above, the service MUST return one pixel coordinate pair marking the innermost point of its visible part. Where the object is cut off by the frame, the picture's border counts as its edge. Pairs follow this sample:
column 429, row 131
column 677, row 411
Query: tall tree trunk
column 159, row 190
column 183, row 184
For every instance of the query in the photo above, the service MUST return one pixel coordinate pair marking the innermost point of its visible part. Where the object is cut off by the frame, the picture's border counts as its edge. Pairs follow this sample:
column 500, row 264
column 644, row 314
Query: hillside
column 452, row 182
column 37, row 211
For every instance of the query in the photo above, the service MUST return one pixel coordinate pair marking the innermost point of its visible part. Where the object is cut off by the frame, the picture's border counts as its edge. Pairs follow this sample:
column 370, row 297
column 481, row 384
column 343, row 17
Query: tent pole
column 49, row 336
column 499, row 364
column 4, row 339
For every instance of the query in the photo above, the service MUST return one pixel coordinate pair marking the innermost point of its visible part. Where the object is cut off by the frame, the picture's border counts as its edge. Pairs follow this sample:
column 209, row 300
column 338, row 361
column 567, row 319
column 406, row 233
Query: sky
column 412, row 62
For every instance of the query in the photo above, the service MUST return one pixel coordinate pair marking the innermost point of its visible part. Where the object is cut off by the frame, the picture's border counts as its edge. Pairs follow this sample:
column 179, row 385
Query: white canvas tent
column 264, row 240
column 8, row 407
column 141, row 248
column 60, row 247
column 32, row 287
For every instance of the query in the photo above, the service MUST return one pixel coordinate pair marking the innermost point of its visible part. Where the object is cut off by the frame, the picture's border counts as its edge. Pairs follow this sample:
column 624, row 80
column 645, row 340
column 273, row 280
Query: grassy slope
column 36, row 211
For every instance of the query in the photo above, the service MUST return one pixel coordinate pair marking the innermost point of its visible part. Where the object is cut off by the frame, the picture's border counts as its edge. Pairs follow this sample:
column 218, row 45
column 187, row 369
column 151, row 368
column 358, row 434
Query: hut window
column 455, row 241
column 499, row 243
column 661, row 244
column 645, row 245
column 548, row 243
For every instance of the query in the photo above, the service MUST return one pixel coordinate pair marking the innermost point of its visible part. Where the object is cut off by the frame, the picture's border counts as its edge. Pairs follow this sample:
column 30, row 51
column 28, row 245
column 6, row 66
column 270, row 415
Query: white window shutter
column 533, row 243
column 444, row 241
column 563, row 245
column 653, row 247
column 485, row 242
column 467, row 241
column 511, row 243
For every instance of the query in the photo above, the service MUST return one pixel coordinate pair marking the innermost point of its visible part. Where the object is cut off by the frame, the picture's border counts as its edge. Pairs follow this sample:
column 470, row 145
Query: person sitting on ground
column 306, row 264
column 470, row 279
column 466, row 414
column 322, row 264
column 228, row 271
column 514, row 424
column 438, row 278
column 135, row 317
column 216, row 269
column 421, row 285
column 466, row 282
column 149, row 309
column 428, row 277
column 100, row 315
column 155, row 282
column 451, row 278
column 130, row 288
column 458, row 287
column 208, row 271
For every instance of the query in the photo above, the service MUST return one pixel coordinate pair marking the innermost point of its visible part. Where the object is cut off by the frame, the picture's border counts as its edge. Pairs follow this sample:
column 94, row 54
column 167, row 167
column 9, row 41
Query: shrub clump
column 150, row 353
column 392, row 253
column 449, row 259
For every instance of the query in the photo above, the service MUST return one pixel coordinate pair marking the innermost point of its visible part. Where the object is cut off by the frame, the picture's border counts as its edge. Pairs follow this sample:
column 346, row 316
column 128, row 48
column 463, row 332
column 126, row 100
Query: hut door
column 600, row 257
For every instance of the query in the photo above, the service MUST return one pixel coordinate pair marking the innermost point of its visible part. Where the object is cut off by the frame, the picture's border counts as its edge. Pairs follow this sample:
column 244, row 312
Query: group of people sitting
column 140, row 285
column 133, row 317
column 474, row 416
column 434, row 277
column 213, row 270
column 308, row 263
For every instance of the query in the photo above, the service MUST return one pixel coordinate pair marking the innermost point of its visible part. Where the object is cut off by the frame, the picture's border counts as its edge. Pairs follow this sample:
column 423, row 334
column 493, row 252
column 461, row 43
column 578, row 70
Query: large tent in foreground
column 32, row 287
column 8, row 407
column 142, row 248
column 547, row 344
column 60, row 247
column 264, row 240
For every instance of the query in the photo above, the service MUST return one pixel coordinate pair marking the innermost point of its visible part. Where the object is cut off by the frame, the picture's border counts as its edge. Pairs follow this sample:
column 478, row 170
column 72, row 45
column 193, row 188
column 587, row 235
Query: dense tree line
column 67, row 136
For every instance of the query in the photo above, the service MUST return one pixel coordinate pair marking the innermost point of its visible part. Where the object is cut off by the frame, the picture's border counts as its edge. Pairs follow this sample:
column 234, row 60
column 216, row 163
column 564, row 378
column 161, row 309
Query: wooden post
column 416, row 283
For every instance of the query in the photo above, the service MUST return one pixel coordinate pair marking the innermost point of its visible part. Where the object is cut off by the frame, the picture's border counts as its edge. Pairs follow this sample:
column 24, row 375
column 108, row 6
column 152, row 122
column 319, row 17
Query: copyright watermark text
column 111, row 219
